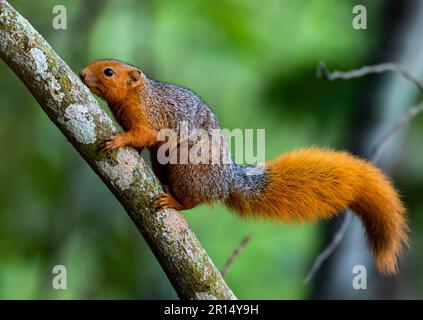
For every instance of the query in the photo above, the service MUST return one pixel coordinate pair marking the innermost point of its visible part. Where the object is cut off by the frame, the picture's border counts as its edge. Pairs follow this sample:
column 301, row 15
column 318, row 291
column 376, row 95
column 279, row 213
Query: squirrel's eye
column 108, row 72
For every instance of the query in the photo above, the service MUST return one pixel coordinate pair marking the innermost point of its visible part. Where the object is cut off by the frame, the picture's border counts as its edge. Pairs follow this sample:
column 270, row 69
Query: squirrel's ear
column 134, row 77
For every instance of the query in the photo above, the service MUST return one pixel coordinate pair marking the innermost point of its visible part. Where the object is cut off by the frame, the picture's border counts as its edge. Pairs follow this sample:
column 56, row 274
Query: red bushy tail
column 314, row 183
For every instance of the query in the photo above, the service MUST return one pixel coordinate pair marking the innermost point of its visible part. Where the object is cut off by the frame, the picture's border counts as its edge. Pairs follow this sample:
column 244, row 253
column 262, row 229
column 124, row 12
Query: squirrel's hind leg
column 167, row 200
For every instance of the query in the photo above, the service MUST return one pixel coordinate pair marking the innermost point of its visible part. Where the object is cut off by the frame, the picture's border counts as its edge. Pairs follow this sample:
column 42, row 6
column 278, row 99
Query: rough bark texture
column 71, row 106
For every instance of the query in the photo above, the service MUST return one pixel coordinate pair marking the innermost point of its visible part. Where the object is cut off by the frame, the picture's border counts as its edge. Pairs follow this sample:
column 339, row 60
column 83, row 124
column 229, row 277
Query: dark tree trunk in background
column 381, row 100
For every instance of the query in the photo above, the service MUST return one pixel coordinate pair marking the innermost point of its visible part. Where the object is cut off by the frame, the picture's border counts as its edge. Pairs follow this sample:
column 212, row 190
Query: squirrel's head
column 112, row 80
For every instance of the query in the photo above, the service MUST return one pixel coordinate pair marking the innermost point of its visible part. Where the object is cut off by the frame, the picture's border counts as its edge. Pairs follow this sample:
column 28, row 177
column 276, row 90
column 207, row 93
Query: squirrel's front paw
column 112, row 143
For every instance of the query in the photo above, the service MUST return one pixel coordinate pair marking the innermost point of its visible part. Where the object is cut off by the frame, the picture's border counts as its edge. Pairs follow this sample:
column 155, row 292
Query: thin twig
column 405, row 119
column 240, row 247
column 330, row 248
column 323, row 71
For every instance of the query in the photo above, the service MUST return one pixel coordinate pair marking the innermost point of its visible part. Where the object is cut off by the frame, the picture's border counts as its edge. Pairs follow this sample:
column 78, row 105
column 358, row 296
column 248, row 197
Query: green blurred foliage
column 252, row 61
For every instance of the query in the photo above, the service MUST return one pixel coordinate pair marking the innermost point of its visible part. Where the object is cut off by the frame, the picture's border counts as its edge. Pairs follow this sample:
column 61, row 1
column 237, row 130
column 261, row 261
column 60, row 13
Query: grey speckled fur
column 196, row 183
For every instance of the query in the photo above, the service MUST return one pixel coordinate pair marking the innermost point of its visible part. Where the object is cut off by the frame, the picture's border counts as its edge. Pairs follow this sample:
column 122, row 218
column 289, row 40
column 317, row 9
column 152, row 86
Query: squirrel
column 300, row 185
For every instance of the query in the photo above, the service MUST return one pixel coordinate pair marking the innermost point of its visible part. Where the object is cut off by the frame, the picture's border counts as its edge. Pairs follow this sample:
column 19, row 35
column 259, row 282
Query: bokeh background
column 254, row 62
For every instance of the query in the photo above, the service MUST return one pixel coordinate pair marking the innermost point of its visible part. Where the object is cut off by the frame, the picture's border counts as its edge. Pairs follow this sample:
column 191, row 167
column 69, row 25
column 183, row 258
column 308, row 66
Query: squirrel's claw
column 165, row 200
column 112, row 143
column 161, row 202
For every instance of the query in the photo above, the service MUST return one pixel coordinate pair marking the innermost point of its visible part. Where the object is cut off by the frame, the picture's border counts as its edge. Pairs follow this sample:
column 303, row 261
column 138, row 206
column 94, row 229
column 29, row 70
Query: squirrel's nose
column 82, row 74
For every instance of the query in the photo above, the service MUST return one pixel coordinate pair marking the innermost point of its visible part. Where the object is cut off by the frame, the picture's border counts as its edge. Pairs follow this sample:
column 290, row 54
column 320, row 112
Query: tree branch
column 323, row 71
column 73, row 109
